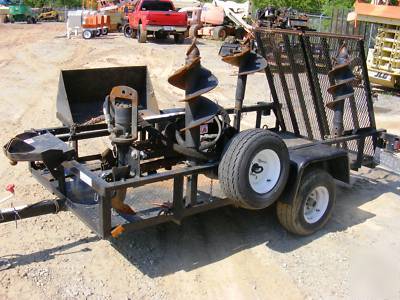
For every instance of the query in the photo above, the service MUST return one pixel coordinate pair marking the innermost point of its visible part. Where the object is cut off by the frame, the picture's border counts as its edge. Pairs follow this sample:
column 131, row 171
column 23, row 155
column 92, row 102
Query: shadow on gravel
column 216, row 235
column 48, row 254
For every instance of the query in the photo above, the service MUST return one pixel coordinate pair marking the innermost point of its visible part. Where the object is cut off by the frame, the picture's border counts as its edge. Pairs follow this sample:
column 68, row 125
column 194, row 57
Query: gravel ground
column 227, row 253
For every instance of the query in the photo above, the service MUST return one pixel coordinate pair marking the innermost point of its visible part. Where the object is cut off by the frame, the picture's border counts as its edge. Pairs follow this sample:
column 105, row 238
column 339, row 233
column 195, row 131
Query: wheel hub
column 316, row 204
column 264, row 171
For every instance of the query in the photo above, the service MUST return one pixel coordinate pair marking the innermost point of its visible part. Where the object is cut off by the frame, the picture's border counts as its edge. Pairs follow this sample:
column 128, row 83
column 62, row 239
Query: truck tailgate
column 166, row 18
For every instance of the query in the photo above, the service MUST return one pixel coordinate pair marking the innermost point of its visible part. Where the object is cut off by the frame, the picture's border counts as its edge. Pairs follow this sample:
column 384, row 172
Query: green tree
column 311, row 6
column 53, row 3
column 329, row 6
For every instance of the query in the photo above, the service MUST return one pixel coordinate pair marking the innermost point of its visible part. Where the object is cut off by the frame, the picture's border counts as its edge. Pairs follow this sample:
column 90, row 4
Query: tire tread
column 287, row 212
column 228, row 167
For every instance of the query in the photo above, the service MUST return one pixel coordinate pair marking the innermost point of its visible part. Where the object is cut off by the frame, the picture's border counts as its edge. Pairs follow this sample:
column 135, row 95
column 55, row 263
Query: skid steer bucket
column 81, row 93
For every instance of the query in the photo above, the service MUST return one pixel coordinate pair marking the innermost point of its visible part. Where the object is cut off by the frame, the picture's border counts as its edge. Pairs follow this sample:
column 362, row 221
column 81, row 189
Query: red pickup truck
column 158, row 17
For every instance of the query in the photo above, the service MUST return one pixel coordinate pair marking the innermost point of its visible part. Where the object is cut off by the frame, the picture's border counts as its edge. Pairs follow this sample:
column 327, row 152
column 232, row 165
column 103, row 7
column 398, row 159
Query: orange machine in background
column 95, row 26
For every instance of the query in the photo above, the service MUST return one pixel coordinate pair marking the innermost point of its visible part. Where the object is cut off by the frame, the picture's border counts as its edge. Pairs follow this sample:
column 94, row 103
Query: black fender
column 333, row 160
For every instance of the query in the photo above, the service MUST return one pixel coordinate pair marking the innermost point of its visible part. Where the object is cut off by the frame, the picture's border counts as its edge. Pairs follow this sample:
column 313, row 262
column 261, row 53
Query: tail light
column 396, row 145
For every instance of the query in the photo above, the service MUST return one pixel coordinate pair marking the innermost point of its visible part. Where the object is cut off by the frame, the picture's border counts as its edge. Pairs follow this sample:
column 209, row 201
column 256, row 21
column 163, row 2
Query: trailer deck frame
column 298, row 63
column 81, row 184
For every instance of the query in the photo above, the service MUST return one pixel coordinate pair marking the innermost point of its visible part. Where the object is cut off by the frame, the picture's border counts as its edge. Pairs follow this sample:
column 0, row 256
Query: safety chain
column 72, row 132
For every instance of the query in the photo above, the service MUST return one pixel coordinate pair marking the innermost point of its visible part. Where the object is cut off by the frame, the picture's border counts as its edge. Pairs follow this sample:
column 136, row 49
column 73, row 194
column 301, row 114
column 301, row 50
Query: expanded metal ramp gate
column 299, row 63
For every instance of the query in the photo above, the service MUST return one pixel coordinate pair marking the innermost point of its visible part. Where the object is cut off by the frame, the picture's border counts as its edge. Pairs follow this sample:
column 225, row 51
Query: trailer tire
column 87, row 34
column 141, row 34
column 242, row 171
column 219, row 33
column 193, row 31
column 312, row 207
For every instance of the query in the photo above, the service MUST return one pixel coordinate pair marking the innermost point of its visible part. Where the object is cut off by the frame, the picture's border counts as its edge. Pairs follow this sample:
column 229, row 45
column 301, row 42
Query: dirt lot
column 229, row 253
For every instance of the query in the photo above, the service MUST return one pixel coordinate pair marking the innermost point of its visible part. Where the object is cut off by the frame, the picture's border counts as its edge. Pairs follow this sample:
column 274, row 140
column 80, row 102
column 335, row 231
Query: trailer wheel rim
column 316, row 204
column 264, row 171
column 87, row 34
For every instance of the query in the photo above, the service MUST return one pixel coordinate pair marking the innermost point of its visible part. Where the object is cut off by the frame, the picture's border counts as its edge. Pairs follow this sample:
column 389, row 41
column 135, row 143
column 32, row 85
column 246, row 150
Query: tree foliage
column 310, row 6
column 54, row 3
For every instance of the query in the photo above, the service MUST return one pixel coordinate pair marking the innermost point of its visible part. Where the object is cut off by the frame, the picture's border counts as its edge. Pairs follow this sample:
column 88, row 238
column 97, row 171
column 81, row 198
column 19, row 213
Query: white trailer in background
column 219, row 19
column 75, row 20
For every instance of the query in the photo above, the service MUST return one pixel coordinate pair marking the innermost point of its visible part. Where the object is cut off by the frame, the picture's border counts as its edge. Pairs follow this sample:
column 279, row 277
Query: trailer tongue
column 294, row 163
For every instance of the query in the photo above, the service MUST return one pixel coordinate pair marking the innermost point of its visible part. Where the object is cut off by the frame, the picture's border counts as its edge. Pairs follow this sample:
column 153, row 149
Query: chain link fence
column 337, row 23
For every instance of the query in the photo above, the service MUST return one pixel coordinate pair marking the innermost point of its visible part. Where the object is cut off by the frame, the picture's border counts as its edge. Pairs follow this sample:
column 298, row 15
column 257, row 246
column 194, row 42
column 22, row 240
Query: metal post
column 178, row 204
column 297, row 84
column 367, row 87
column 239, row 97
column 271, row 84
column 105, row 215
column 191, row 190
column 277, row 56
column 314, row 87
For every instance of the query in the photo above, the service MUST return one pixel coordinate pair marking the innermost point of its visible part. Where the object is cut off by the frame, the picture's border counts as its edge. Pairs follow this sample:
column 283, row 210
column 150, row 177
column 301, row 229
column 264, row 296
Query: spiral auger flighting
column 343, row 78
column 195, row 80
column 249, row 62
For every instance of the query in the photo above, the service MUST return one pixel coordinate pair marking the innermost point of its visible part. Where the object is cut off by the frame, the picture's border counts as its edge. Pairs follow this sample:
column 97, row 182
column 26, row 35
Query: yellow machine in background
column 48, row 14
column 384, row 59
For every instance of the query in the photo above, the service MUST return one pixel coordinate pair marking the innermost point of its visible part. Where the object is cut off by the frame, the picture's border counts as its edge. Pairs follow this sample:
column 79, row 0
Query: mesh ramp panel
column 299, row 63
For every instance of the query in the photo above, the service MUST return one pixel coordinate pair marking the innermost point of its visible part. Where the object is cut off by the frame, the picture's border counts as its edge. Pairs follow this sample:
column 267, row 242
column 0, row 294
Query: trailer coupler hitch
column 33, row 210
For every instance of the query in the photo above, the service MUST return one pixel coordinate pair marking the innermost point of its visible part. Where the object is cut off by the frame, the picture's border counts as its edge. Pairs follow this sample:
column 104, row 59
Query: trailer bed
column 154, row 203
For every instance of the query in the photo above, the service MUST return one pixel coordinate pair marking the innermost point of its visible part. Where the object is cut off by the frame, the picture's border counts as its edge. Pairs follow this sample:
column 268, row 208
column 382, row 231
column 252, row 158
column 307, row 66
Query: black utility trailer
column 294, row 164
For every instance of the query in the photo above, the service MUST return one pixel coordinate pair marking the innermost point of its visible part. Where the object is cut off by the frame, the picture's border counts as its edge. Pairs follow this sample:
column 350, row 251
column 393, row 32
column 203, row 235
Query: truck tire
column 87, row 34
column 104, row 31
column 313, row 205
column 193, row 31
column 141, row 34
column 33, row 20
column 127, row 30
column 219, row 33
column 254, row 168
column 179, row 38
column 97, row 32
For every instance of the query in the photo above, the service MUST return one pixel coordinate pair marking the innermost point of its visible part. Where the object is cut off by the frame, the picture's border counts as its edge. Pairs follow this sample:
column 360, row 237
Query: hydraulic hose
column 212, row 143
column 205, row 145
